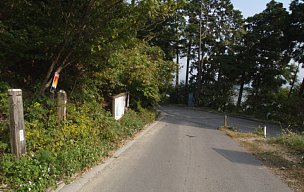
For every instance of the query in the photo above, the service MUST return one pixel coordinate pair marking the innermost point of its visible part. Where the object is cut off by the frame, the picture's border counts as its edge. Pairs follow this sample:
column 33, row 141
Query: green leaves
column 296, row 32
column 267, row 45
column 57, row 152
column 220, row 31
column 139, row 70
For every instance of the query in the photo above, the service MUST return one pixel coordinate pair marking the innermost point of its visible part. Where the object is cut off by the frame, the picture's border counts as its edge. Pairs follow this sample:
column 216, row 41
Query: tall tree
column 220, row 24
column 38, row 38
column 51, row 36
column 297, row 34
column 266, row 33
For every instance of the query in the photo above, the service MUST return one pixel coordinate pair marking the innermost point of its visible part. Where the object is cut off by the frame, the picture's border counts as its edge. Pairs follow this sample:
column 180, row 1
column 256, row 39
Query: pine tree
column 267, row 46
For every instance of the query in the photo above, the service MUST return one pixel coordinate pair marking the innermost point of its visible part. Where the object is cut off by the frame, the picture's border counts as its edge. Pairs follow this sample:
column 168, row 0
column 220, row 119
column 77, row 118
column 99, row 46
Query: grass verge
column 58, row 151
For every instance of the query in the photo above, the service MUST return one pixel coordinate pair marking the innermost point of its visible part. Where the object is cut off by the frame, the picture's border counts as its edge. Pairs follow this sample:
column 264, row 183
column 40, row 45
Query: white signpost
column 119, row 104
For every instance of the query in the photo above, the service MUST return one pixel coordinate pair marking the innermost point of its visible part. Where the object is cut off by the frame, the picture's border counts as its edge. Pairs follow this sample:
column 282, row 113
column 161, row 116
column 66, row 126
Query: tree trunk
column 48, row 78
column 238, row 105
column 301, row 92
column 199, row 70
column 293, row 82
column 257, row 93
column 199, row 82
column 177, row 74
column 177, row 68
column 187, row 72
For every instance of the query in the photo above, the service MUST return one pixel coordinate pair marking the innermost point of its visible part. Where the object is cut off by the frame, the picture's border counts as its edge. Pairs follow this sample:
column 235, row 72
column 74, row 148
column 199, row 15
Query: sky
column 249, row 8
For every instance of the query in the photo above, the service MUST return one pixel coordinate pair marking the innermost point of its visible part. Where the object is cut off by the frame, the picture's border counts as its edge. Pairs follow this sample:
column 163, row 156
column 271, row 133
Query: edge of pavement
column 94, row 171
column 234, row 115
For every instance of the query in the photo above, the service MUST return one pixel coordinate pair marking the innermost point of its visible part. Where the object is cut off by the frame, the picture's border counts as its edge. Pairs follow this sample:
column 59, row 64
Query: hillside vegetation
column 103, row 48
column 100, row 49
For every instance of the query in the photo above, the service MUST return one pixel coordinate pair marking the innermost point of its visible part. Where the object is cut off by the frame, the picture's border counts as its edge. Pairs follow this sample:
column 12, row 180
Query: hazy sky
column 249, row 7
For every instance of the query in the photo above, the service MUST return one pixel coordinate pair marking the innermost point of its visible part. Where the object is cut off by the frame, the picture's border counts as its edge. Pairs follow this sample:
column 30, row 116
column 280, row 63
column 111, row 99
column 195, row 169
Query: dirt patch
column 284, row 162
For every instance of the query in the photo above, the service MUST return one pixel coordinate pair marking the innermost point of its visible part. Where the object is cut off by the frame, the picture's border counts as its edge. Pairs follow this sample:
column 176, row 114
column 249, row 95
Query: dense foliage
column 56, row 151
column 99, row 48
column 80, row 39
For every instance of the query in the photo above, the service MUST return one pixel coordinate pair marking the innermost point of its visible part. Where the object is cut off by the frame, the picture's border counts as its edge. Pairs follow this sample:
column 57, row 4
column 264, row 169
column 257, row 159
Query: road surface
column 185, row 152
column 215, row 120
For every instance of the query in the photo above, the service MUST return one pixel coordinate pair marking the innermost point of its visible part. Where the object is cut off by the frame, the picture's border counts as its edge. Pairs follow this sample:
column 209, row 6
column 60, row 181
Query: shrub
column 4, row 131
column 292, row 140
column 58, row 150
column 27, row 173
column 140, row 70
column 259, row 131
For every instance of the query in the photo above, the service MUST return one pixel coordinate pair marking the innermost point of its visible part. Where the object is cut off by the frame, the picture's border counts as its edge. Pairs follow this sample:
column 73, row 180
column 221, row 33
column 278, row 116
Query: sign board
column 21, row 135
column 119, row 103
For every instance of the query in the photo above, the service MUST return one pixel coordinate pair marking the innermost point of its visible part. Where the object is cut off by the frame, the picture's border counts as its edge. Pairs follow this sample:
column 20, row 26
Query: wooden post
column 61, row 105
column 128, row 100
column 16, row 119
column 113, row 106
column 225, row 121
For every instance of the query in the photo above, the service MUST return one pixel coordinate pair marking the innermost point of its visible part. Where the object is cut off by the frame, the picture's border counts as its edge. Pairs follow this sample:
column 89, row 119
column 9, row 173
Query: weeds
column 259, row 131
column 59, row 150
column 292, row 140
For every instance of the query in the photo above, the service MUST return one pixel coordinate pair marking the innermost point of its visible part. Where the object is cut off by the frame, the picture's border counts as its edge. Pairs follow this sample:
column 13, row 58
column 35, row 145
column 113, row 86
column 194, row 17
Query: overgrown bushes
column 292, row 140
column 3, row 117
column 58, row 150
column 139, row 69
column 98, row 54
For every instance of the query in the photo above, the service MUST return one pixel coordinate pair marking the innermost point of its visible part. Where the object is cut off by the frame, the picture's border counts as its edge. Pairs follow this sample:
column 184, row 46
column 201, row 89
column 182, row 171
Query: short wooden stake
column 61, row 105
column 16, row 119
column 225, row 121
column 128, row 100
column 265, row 132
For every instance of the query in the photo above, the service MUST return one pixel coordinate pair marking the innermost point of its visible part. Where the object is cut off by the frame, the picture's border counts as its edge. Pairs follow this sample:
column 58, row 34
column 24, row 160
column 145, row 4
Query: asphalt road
column 185, row 152
column 215, row 120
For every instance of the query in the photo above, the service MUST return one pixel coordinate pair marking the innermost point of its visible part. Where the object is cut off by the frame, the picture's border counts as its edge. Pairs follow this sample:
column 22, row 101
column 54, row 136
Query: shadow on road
column 238, row 157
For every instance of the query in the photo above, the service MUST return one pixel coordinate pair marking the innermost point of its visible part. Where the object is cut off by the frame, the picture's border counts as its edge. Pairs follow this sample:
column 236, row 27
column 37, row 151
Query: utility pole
column 177, row 59
column 199, row 73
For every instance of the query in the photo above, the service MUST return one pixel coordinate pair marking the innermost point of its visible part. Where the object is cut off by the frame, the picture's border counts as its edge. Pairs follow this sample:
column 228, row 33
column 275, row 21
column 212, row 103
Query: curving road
column 184, row 152
column 215, row 120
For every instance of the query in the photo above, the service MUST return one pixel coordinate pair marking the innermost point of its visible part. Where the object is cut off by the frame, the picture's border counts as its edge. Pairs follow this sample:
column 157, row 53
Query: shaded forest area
column 98, row 47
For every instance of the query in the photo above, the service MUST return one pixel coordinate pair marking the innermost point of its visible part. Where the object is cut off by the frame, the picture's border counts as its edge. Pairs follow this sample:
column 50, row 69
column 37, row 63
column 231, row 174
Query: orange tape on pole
column 55, row 82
